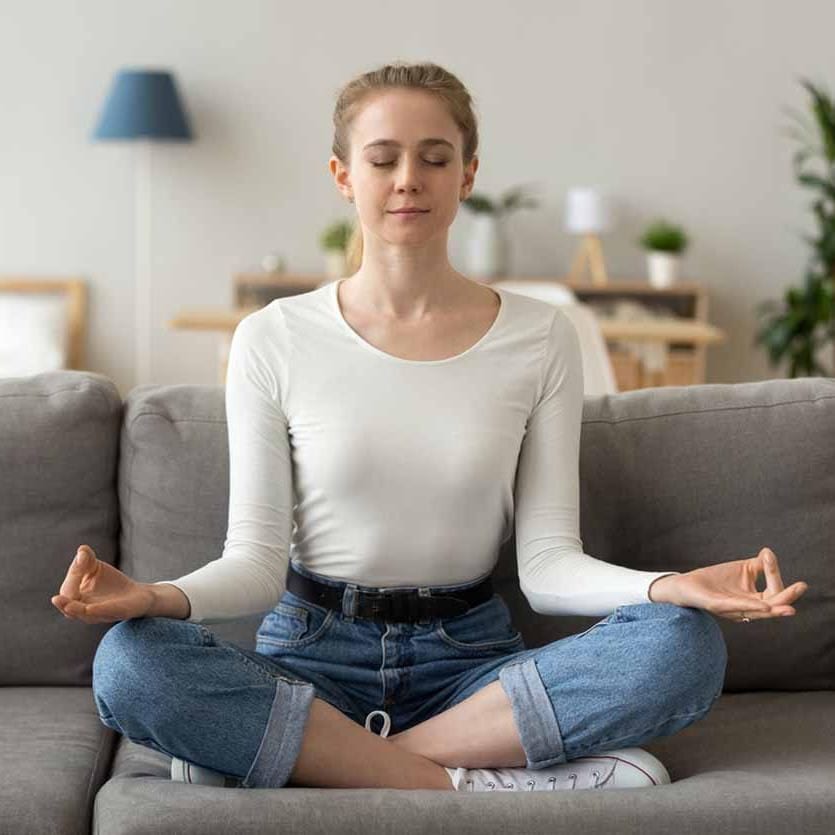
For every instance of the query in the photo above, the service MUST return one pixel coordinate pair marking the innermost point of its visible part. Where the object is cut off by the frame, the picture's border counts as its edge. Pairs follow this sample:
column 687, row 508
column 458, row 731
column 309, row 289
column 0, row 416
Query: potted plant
column 487, row 250
column 664, row 242
column 334, row 241
column 806, row 321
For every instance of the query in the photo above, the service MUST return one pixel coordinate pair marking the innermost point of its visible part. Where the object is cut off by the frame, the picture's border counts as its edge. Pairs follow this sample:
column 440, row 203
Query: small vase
column 336, row 263
column 663, row 268
column 487, row 248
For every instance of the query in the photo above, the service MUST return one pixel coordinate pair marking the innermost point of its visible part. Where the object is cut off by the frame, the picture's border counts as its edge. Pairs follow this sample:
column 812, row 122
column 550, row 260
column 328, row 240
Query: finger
column 58, row 606
column 735, row 606
column 775, row 613
column 773, row 580
column 71, row 587
column 98, row 610
column 75, row 608
column 742, row 614
column 91, row 613
column 789, row 595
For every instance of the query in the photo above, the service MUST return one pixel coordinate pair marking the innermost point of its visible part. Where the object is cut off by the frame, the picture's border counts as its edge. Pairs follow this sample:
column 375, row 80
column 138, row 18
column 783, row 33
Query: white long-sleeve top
column 384, row 471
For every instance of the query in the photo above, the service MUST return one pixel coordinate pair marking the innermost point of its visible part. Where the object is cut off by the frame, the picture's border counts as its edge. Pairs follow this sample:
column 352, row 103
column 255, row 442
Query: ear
column 341, row 177
column 469, row 178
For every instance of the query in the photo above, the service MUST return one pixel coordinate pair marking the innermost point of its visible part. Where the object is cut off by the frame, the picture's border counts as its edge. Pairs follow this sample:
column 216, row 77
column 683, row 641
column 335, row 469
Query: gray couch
column 672, row 478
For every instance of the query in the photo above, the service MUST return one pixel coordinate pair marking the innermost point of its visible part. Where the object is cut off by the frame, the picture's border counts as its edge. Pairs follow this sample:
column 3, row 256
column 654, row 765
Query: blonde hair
column 425, row 76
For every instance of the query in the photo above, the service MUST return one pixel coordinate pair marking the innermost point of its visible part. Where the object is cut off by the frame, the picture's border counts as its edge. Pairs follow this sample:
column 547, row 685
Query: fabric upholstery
column 59, row 451
column 758, row 763
column 671, row 478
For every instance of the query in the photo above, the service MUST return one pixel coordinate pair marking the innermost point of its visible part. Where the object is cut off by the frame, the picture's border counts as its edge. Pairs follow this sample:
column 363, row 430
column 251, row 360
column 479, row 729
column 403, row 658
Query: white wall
column 676, row 107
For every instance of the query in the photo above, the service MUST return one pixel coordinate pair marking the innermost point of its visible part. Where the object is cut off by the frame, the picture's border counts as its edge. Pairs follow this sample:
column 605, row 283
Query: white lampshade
column 587, row 211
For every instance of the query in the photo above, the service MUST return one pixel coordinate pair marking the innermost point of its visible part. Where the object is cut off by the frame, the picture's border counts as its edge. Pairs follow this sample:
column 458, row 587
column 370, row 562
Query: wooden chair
column 74, row 291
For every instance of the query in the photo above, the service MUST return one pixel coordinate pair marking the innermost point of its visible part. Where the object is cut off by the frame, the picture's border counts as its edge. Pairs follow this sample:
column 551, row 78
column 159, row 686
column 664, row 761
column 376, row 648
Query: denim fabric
column 646, row 670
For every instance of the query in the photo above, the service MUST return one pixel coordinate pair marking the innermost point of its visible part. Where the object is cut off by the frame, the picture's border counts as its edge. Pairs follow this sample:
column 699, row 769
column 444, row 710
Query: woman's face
column 405, row 151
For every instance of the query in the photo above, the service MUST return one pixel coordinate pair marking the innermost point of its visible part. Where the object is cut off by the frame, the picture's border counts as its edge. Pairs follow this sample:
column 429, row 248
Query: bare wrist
column 660, row 589
column 168, row 601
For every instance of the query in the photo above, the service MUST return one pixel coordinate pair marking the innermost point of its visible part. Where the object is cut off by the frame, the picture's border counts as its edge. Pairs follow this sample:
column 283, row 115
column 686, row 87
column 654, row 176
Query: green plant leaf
column 807, row 320
column 824, row 113
column 480, row 203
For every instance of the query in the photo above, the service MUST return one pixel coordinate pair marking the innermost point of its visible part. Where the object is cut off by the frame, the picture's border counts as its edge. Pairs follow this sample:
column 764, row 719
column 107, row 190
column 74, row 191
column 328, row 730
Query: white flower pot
column 486, row 248
column 336, row 263
column 663, row 268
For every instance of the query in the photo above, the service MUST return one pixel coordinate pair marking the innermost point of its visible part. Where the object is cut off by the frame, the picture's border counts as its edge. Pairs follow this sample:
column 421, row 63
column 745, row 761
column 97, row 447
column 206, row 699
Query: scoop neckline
column 485, row 337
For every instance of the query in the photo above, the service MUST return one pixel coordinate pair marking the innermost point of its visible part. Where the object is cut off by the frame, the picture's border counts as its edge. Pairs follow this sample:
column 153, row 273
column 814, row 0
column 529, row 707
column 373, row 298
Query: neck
column 402, row 282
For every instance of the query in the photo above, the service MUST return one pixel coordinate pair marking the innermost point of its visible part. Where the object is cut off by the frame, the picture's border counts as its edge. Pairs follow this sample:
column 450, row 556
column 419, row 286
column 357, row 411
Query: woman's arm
column 555, row 575
column 250, row 575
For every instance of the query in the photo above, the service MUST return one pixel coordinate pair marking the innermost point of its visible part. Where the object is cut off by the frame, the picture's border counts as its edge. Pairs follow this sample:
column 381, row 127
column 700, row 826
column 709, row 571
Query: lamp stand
column 142, row 260
column 590, row 253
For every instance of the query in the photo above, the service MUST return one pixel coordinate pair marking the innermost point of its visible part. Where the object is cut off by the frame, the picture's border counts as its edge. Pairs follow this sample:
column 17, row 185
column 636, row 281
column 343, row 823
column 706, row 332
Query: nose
column 407, row 177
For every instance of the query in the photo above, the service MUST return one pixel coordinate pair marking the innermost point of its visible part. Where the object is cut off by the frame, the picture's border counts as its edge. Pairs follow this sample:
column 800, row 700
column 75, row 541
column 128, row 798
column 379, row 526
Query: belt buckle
column 405, row 607
column 393, row 606
column 379, row 604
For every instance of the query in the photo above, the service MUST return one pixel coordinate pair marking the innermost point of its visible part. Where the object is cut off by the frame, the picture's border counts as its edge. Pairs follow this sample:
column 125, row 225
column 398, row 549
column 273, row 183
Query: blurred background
column 677, row 122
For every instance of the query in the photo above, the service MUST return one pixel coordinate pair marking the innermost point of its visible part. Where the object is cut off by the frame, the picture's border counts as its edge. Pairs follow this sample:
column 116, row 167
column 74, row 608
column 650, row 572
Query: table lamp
column 143, row 106
column 588, row 213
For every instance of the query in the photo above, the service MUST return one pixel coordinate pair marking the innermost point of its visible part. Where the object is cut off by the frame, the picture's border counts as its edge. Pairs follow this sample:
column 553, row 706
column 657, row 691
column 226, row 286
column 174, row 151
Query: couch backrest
column 671, row 478
column 174, row 487
column 679, row 478
column 59, row 450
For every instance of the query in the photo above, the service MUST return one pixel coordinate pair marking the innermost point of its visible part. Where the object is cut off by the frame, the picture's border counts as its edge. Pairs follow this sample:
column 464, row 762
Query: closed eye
column 387, row 164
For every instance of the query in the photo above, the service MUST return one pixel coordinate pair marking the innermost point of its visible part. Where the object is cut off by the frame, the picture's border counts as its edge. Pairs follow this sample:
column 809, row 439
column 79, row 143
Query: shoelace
column 531, row 784
column 386, row 722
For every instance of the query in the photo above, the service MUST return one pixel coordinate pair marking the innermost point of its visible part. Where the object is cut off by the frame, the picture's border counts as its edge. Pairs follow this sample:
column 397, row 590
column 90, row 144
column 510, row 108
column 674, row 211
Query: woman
column 401, row 418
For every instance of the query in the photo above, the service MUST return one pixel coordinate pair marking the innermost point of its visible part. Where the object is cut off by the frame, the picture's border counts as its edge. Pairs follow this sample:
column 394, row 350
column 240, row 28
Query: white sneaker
column 624, row 768
column 183, row 771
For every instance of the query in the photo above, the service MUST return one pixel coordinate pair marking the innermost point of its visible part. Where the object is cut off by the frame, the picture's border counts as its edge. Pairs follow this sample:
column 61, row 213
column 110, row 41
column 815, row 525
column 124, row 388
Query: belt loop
column 423, row 591
column 349, row 602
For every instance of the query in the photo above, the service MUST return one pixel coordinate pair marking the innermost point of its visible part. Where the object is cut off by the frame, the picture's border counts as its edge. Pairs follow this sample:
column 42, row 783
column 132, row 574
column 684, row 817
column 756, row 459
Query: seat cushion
column 59, row 450
column 55, row 753
column 756, row 763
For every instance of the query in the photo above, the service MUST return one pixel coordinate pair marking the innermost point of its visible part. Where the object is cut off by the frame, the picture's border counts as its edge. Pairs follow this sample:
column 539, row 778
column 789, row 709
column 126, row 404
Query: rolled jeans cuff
column 533, row 713
column 282, row 738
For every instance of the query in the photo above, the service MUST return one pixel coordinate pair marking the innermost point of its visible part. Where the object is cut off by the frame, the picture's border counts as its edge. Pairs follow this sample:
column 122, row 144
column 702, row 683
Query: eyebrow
column 395, row 144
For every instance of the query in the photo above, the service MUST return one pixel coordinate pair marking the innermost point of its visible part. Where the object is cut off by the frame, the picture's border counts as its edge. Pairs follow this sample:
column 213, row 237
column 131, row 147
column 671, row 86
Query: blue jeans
column 646, row 670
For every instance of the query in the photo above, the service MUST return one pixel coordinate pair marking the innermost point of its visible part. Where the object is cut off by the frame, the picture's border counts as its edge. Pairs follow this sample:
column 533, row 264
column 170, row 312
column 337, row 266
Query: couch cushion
column 59, row 447
column 678, row 478
column 756, row 763
column 174, row 488
column 55, row 752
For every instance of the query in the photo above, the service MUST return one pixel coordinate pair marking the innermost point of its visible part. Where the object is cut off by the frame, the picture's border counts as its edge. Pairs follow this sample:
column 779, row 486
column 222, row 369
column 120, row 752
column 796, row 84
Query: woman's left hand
column 729, row 589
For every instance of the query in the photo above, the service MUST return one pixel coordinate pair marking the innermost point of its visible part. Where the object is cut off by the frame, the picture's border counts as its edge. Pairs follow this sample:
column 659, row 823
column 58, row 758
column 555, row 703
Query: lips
column 409, row 211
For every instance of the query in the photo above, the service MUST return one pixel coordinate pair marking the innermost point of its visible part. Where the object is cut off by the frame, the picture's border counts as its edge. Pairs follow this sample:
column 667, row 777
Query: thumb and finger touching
column 776, row 598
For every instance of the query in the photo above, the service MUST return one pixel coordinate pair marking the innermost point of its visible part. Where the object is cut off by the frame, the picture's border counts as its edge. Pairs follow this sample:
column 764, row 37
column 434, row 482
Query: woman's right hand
column 95, row 592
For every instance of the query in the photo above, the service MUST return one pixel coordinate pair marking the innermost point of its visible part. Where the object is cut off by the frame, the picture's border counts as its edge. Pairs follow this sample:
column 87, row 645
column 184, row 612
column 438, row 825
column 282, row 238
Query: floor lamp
column 143, row 106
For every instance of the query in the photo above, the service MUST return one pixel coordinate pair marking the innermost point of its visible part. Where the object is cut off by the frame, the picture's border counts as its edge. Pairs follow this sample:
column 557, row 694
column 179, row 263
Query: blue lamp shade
column 143, row 104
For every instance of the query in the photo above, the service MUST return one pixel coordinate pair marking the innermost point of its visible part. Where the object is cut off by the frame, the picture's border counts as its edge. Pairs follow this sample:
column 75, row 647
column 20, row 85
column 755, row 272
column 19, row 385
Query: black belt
column 403, row 606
